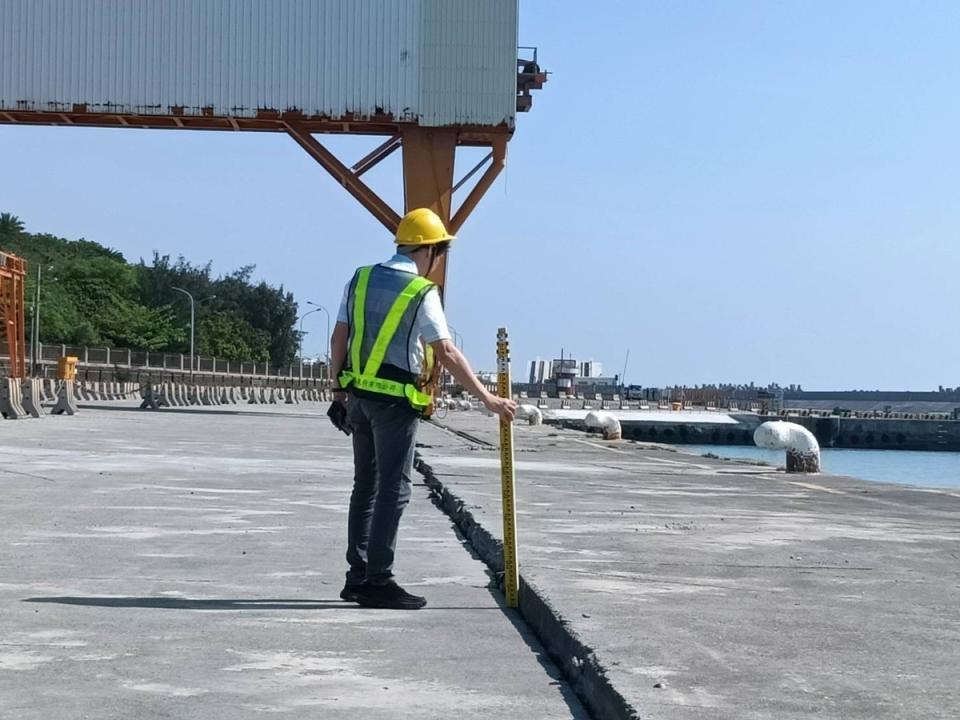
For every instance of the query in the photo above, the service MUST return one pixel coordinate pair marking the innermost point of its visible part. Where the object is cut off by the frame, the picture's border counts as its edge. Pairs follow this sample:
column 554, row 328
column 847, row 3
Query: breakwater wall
column 831, row 431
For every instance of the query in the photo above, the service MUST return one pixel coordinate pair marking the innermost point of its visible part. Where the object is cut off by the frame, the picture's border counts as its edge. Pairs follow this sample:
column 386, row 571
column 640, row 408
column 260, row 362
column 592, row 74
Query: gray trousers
column 384, row 438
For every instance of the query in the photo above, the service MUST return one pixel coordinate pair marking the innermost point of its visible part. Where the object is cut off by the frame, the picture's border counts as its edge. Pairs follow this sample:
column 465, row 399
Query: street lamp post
column 300, row 335
column 192, row 318
column 327, row 313
column 457, row 337
column 35, row 358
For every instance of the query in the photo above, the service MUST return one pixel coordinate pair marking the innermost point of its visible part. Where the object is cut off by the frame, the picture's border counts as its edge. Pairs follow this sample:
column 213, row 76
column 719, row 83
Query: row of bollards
column 175, row 394
column 870, row 414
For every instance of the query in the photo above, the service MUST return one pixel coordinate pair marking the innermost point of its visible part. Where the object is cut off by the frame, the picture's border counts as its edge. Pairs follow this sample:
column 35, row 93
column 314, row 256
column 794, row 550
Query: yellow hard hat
column 422, row 227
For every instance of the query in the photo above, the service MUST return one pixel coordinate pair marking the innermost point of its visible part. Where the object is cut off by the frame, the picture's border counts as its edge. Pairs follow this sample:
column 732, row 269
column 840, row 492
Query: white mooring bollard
column 606, row 423
column 530, row 413
column 803, row 450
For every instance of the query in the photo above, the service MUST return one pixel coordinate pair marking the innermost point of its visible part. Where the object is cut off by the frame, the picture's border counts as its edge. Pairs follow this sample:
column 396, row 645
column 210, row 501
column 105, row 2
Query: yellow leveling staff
column 511, row 572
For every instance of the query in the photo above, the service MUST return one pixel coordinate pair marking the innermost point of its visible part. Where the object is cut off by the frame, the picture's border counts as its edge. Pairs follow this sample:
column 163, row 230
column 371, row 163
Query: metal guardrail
column 94, row 358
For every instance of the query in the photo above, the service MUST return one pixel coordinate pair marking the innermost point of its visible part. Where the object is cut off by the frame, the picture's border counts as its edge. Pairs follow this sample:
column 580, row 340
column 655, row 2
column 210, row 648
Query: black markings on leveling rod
column 511, row 573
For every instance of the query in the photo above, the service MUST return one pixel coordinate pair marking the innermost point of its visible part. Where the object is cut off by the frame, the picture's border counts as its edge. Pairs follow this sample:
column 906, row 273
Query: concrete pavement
column 697, row 588
column 187, row 565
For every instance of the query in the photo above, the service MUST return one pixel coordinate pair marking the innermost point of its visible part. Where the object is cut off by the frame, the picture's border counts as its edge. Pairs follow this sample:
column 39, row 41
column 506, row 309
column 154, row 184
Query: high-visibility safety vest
column 367, row 379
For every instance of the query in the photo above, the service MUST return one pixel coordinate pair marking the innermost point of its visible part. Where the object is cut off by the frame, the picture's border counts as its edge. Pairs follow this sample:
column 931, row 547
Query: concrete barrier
column 273, row 396
column 150, row 399
column 254, row 400
column 44, row 391
column 66, row 399
column 11, row 399
column 30, row 390
column 166, row 399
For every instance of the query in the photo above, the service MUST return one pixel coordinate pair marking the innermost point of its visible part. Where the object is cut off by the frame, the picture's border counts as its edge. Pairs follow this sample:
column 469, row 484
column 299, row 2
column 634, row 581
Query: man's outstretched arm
column 338, row 351
column 453, row 360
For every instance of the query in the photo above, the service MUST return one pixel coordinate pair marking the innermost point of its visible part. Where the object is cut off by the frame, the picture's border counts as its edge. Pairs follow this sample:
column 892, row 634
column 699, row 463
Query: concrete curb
column 577, row 660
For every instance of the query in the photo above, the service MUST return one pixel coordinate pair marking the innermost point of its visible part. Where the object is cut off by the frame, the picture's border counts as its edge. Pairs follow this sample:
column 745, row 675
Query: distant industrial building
column 568, row 376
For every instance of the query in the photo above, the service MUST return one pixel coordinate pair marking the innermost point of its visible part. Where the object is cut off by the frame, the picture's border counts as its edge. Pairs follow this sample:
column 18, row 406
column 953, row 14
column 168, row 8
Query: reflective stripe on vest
column 367, row 380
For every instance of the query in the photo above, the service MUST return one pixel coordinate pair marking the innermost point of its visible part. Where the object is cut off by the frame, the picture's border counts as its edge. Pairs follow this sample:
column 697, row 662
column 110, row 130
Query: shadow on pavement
column 175, row 603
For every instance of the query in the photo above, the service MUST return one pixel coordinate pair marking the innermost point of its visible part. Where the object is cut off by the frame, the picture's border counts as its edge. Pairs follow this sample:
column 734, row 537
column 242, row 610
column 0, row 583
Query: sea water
column 924, row 469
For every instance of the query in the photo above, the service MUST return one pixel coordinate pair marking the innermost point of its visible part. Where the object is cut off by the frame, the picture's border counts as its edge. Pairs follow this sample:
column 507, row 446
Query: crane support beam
column 429, row 154
column 483, row 184
column 346, row 177
column 428, row 158
column 380, row 153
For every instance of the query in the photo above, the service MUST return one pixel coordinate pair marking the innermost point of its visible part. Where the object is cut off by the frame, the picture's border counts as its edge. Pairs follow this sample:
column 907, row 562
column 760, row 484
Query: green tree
column 10, row 224
column 224, row 335
column 91, row 295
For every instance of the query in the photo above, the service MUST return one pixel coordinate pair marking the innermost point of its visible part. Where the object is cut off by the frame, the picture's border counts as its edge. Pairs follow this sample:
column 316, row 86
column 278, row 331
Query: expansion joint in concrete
column 576, row 660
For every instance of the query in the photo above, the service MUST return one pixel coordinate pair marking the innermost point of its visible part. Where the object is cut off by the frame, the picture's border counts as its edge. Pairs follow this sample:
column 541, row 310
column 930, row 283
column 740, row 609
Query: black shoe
column 350, row 591
column 390, row 596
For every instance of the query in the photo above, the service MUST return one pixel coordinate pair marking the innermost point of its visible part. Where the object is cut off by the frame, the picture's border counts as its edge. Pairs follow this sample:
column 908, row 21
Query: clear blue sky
column 733, row 191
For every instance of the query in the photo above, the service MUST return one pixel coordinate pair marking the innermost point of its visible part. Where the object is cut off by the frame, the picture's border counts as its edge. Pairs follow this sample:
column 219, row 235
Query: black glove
column 338, row 416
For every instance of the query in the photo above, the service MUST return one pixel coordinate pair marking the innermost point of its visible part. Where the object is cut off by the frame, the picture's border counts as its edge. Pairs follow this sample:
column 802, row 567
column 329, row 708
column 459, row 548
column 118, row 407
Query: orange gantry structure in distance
column 13, row 274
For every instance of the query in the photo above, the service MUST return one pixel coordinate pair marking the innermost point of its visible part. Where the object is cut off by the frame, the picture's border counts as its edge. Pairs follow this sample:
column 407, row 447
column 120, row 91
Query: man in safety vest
column 389, row 327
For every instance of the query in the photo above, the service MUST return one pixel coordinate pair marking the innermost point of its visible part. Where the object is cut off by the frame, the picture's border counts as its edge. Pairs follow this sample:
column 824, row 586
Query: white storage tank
column 428, row 62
